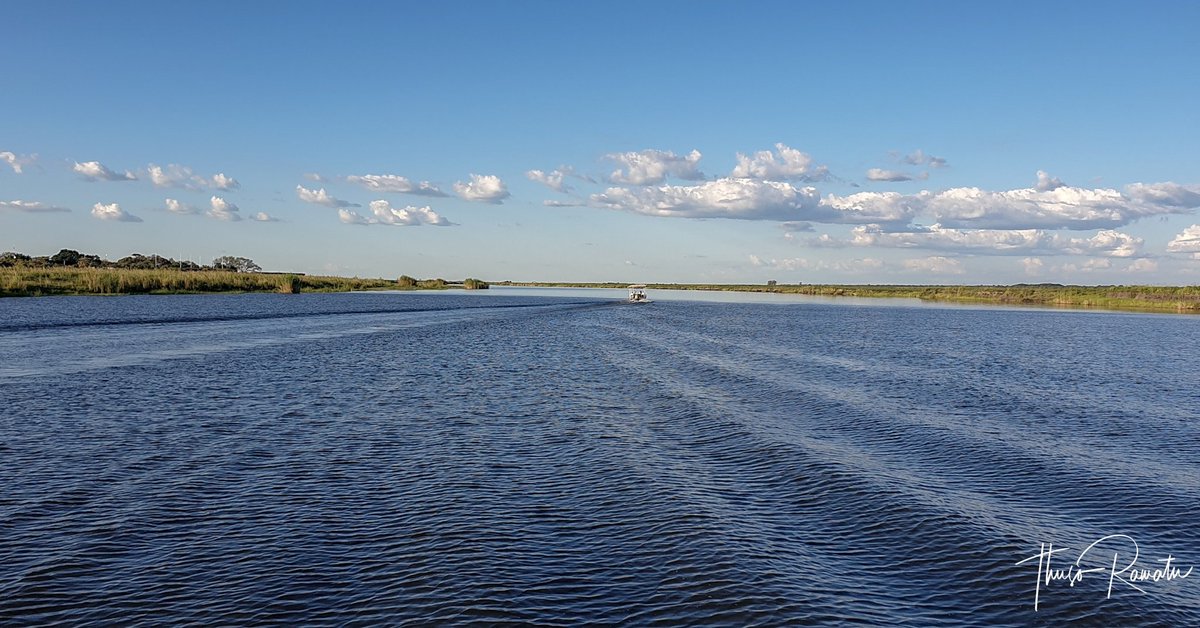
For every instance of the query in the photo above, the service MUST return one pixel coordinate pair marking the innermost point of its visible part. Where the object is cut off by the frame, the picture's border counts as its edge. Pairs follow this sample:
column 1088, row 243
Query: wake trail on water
column 222, row 318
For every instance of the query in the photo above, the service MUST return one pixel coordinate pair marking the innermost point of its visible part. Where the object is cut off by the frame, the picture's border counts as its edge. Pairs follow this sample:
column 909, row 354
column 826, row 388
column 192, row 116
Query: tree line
column 70, row 258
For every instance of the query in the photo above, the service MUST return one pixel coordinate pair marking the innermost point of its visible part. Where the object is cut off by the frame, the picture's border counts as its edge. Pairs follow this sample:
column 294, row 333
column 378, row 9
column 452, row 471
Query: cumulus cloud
column 785, row 164
column 756, row 199
column 1091, row 265
column 15, row 161
column 222, row 209
column 1187, row 241
column 384, row 214
column 919, row 158
column 31, row 207
column 1165, row 194
column 113, row 211
column 313, row 176
column 483, row 189
column 879, row 174
column 1143, row 265
column 1033, row 266
column 176, row 176
column 651, row 167
column 870, row 207
column 991, row 241
column 178, row 207
column 263, row 217
column 391, row 183
column 321, row 197
column 1062, row 207
column 936, row 265
column 222, row 182
column 866, row 264
column 746, row 199
column 555, row 179
column 564, row 204
column 96, row 171
column 352, row 217
column 1047, row 183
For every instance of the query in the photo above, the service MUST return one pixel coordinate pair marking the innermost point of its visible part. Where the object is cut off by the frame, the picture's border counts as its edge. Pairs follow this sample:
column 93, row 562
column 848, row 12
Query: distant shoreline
column 1182, row 299
column 75, row 281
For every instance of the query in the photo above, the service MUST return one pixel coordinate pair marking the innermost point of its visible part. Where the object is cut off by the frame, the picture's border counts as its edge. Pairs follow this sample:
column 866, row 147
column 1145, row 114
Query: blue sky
column 857, row 142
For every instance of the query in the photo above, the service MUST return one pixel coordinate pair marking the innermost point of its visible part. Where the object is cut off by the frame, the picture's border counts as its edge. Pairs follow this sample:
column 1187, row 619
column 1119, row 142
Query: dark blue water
column 376, row 459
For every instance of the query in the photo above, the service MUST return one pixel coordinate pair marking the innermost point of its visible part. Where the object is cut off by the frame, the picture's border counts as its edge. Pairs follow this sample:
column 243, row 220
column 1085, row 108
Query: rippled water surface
column 454, row 458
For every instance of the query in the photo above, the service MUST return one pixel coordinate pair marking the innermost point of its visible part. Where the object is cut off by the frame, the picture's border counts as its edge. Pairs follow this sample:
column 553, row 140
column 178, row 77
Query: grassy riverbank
column 1146, row 298
column 18, row 281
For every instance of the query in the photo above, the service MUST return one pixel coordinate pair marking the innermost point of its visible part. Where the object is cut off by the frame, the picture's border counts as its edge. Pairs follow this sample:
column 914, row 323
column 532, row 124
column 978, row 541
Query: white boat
column 637, row 294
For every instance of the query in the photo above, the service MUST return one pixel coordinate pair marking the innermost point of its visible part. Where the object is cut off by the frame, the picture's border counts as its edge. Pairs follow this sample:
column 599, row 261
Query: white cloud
column 391, row 183
column 756, row 199
column 1047, row 183
column 871, row 207
column 1062, row 207
column 919, row 158
column 352, row 217
column 786, row 164
column 1033, row 266
column 651, row 167
column 879, row 174
column 866, row 264
column 177, row 207
column 1089, row 266
column 222, row 182
column 263, row 217
column 992, row 241
column 32, row 207
column 96, row 171
column 936, row 265
column 313, row 176
column 222, row 209
column 1187, row 241
column 747, row 199
column 555, row 179
column 113, row 211
column 483, row 189
column 176, row 176
column 1143, row 265
column 1165, row 194
column 384, row 214
column 321, row 197
column 17, row 162
column 1054, row 207
column 564, row 204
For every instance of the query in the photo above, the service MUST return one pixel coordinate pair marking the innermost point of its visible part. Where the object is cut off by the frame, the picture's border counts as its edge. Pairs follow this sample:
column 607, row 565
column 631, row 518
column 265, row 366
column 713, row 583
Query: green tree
column 10, row 258
column 65, row 257
column 236, row 264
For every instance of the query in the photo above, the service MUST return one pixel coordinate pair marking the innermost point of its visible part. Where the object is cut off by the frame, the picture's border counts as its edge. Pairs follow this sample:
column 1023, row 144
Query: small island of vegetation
column 70, row 272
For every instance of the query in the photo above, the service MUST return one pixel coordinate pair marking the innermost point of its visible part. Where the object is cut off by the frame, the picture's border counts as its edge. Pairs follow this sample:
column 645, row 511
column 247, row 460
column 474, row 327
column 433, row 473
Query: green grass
column 1144, row 298
column 68, row 281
